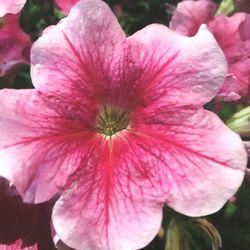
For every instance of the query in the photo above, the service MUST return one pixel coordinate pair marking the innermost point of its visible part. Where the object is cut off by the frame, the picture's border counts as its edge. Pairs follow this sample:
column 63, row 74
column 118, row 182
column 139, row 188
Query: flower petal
column 230, row 35
column 190, row 15
column 65, row 5
column 244, row 27
column 17, row 246
column 45, row 136
column 75, row 53
column 196, row 157
column 11, row 6
column 14, row 45
column 180, row 70
column 105, row 209
column 115, row 203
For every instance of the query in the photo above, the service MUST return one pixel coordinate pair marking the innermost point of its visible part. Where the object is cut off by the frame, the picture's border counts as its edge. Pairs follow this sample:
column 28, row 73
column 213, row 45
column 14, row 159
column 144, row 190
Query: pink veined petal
column 46, row 137
column 100, row 67
column 187, row 152
column 183, row 162
column 105, row 209
column 230, row 35
column 180, row 70
column 11, row 6
column 190, row 15
column 65, row 5
column 93, row 62
column 53, row 163
column 81, row 53
column 14, row 45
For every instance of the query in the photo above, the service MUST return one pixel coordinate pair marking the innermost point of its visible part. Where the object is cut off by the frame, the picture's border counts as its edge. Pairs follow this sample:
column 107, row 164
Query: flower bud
column 226, row 7
column 240, row 122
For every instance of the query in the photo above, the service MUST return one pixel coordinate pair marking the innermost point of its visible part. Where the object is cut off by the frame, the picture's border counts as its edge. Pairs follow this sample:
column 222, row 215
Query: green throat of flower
column 111, row 120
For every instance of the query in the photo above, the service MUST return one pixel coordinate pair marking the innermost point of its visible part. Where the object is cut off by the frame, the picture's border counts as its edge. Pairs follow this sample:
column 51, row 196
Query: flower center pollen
column 111, row 120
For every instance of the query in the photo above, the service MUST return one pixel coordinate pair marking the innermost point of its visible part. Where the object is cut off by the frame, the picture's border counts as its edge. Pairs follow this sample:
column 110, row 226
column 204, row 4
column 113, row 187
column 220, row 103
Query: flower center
column 111, row 120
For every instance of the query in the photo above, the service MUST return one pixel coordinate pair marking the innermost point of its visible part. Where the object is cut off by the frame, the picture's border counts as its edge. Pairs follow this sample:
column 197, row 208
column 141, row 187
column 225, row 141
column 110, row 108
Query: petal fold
column 11, row 6
column 190, row 15
column 230, row 33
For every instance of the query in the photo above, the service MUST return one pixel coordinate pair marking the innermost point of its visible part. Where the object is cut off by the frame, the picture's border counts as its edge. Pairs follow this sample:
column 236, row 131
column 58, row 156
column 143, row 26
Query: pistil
column 111, row 120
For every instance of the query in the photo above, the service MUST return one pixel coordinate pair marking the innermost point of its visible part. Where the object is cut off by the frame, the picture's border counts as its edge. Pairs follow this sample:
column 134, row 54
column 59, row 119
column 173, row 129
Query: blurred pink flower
column 65, row 5
column 116, row 127
column 229, row 33
column 17, row 246
column 11, row 6
column 14, row 44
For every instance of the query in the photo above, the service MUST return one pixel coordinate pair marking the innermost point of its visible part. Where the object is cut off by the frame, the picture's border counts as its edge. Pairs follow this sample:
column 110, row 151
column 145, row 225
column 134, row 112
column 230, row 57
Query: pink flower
column 14, row 45
column 11, row 6
column 116, row 127
column 228, row 33
column 17, row 246
column 65, row 5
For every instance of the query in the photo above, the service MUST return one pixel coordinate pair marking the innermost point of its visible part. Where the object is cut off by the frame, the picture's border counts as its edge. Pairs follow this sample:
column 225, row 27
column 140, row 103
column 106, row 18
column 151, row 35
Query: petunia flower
column 116, row 127
column 187, row 19
column 11, row 6
column 14, row 44
column 23, row 226
column 65, row 5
